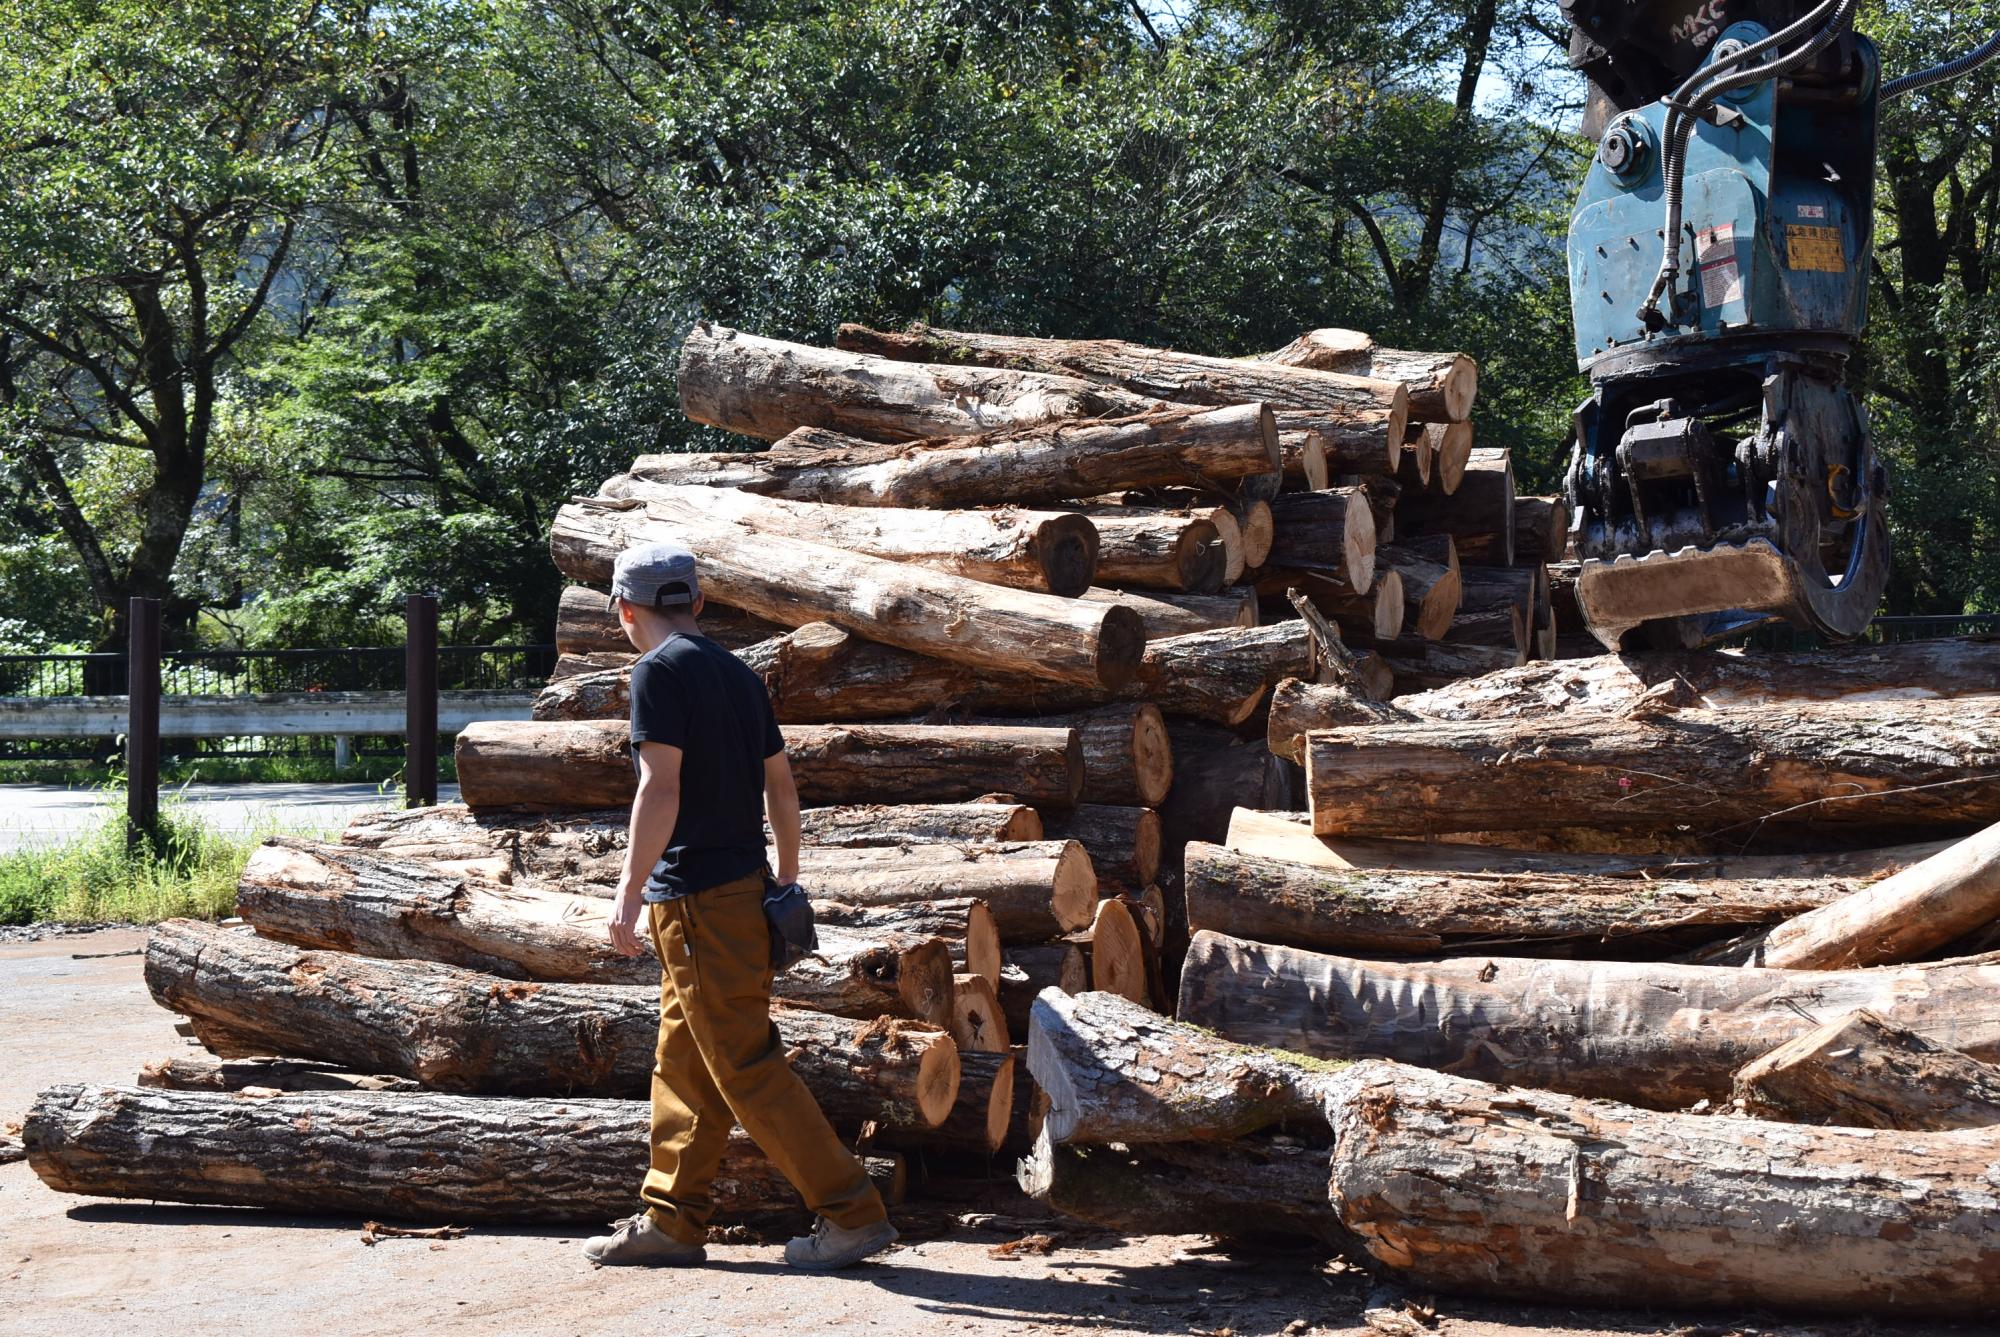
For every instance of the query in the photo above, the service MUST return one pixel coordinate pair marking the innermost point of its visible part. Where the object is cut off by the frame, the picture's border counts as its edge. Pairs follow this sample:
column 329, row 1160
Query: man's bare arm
column 781, row 803
column 655, row 809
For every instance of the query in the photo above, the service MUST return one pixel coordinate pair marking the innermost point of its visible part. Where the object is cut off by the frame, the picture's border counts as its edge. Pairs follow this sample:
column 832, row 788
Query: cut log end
column 1074, row 898
column 1121, row 644
column 1152, row 755
column 937, row 1081
column 983, row 955
column 978, row 1026
column 924, row 981
column 1119, row 952
column 1451, row 449
column 1066, row 548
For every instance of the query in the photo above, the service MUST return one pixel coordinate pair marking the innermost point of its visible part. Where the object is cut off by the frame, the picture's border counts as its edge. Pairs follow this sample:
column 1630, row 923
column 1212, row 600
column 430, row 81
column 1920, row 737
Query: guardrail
column 262, row 672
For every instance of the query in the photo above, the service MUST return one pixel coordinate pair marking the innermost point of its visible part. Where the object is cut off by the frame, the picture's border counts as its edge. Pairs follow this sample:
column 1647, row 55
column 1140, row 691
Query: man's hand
column 623, row 926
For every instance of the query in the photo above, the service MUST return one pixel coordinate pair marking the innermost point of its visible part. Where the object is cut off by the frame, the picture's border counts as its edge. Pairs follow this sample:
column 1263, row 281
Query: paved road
column 33, row 814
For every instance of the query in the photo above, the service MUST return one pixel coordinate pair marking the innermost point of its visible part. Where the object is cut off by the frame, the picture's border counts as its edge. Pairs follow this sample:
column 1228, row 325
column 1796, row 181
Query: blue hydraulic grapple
column 1721, row 471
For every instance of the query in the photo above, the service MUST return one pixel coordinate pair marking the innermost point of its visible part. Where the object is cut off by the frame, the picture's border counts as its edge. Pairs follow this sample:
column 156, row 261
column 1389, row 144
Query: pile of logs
column 1508, row 1009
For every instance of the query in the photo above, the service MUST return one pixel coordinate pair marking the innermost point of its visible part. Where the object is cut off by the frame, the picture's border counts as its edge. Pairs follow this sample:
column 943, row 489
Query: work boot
column 638, row 1241
column 831, row 1246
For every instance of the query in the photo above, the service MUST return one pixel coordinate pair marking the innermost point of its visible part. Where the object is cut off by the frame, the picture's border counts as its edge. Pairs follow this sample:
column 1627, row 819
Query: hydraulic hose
column 1918, row 80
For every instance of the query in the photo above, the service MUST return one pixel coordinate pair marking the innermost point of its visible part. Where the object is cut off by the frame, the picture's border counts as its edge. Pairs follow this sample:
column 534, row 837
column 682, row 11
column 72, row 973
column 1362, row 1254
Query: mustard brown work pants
column 720, row 1063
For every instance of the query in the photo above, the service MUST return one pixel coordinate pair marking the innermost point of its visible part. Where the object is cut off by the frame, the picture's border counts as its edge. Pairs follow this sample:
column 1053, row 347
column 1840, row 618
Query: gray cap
column 655, row 575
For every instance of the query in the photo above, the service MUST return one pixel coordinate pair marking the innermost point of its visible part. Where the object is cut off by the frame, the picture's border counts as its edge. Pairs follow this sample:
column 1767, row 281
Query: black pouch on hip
column 789, row 916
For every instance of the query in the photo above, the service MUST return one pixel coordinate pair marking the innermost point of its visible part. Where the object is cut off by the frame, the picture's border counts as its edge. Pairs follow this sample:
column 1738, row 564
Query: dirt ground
column 69, row 1013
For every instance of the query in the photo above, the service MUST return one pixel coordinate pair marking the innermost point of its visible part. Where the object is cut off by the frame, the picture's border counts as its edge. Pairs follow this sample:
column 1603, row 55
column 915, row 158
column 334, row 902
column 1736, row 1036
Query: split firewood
column 1478, row 514
column 541, row 767
column 1060, row 461
column 1033, row 969
column 1123, row 842
column 944, row 616
column 1493, row 1190
column 767, row 387
column 1859, row 1071
column 979, row 1119
column 1167, row 614
column 416, row 1156
column 1748, row 771
column 337, row 898
column 1541, row 529
column 1328, row 533
column 1431, row 590
column 1660, row 1035
column 977, row 1024
column 1055, row 552
column 1253, row 1189
column 1442, row 386
column 204, row 1072
column 1394, row 912
column 1185, row 378
column 461, row 1030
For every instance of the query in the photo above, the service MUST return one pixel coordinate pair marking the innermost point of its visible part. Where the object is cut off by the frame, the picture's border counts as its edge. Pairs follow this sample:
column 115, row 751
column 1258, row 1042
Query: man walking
column 710, row 759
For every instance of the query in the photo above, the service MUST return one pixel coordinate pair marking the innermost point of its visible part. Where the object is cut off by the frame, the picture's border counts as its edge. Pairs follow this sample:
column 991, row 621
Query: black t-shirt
column 692, row 694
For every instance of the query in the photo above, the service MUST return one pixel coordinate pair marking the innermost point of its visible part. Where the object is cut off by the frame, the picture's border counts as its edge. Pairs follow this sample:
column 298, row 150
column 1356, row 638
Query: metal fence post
column 420, row 691
column 142, row 720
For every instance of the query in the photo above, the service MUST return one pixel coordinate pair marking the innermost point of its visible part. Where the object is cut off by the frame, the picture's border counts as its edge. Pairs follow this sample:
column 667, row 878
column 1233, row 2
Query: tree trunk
column 930, row 612
column 1451, row 451
column 1122, row 959
column 1298, row 707
column 336, row 898
column 1127, row 758
column 1442, row 386
column 1309, row 455
column 1184, row 378
column 766, row 388
column 1117, row 1072
column 1330, row 534
column 976, row 1023
column 204, row 1072
column 1419, row 666
column 579, row 666
column 1159, row 550
column 1363, row 619
column 1415, row 462
column 586, row 625
column 459, row 1030
column 1431, row 591
column 1914, row 670
column 537, row 767
column 1651, row 1034
column 1031, row 970
column 1259, row 532
column 1062, row 461
column 1750, row 770
column 1858, row 1071
column 1036, row 891
column 1541, row 529
column 1164, row 614
column 1509, row 1192
column 1245, row 1190
column 1394, row 912
column 1053, row 552
column 979, row 1118
column 1123, row 842
column 924, row 823
column 963, row 923
column 1478, row 513
column 1234, row 519
column 405, row 1156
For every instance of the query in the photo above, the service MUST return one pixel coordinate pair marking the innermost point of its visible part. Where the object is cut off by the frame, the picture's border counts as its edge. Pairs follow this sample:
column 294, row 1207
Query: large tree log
column 963, row 923
column 205, row 1072
column 1328, row 533
column 1913, row 670
column 1024, row 466
column 337, row 898
column 1747, row 771
column 1160, row 550
column 1035, row 891
column 1375, row 615
column 1300, row 707
column 460, row 1030
column 979, row 1118
column 1442, row 386
column 1318, row 450
column 1055, row 552
column 1478, row 514
column 1127, row 757
column 1451, row 451
column 1419, row 666
column 766, row 388
column 1123, row 842
column 575, row 666
column 1469, row 1187
column 406, row 1156
column 1858, row 1071
column 1252, row 1189
column 1233, row 518
column 1122, row 957
column 1032, row 970
column 1651, row 1034
column 1383, row 911
column 1184, row 378
column 542, row 767
column 930, row 612
column 586, row 625
column 977, row 1024
column 1541, row 529
column 927, row 823
column 1166, row 614
column 1117, row 1072
column 1431, row 590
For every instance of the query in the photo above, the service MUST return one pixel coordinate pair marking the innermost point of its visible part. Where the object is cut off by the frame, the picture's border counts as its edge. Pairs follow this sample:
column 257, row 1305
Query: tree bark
column 1053, row 552
column 930, row 612
column 1858, row 1071
column 1442, row 386
column 924, row 823
column 1245, row 1190
column 1035, row 891
column 463, row 1031
column 1416, row 460
column 766, row 388
column 979, row 1118
column 1117, row 1072
column 1376, row 615
column 1541, row 529
column 542, row 767
column 1032, row 970
column 578, row 666
column 977, row 1024
column 1299, row 707
column 1330, row 534
column 585, row 625
column 1234, row 519
column 1063, row 461
column 1659, row 1035
column 1184, row 378
column 1431, row 591
column 1420, row 666
column 1478, row 513
column 204, row 1072
column 963, row 923
column 1750, row 770
column 1475, row 1188
column 1123, row 842
column 1166, row 614
column 1127, row 757
column 1304, row 448
column 1395, row 912
column 1159, row 550
column 406, row 1156
column 335, row 898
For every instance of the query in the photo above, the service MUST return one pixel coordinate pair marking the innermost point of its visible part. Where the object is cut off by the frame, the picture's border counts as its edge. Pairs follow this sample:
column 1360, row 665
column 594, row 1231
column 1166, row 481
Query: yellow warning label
column 1814, row 248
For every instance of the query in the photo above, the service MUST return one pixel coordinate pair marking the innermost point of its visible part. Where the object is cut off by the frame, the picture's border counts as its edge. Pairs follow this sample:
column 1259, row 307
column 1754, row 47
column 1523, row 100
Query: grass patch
column 189, row 871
